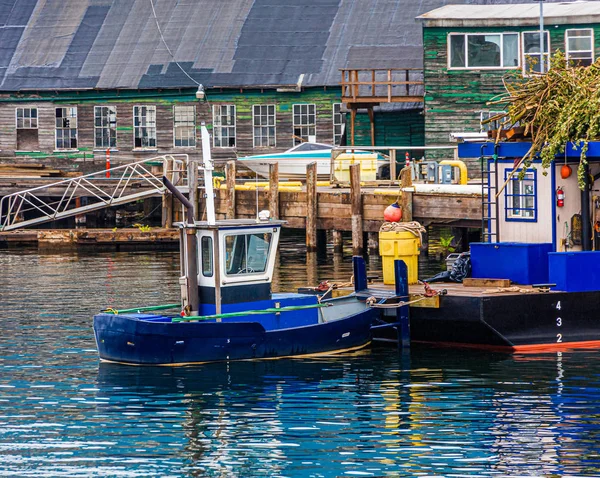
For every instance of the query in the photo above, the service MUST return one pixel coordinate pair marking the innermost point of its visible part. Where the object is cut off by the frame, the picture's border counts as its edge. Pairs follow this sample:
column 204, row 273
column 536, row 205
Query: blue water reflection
column 432, row 412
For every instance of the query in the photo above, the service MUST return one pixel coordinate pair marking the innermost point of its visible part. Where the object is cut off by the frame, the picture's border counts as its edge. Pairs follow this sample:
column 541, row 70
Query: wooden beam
column 311, row 207
column 356, row 200
column 274, row 190
column 230, row 178
column 372, row 121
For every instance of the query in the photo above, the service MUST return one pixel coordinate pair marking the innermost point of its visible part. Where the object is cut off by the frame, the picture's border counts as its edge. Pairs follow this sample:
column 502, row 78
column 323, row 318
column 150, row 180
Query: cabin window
column 491, row 50
column 521, row 196
column 27, row 129
column 184, row 126
column 207, row 256
column 144, row 126
column 263, row 121
column 532, row 60
column 338, row 124
column 66, row 128
column 224, row 126
column 305, row 119
column 105, row 127
column 247, row 253
column 579, row 45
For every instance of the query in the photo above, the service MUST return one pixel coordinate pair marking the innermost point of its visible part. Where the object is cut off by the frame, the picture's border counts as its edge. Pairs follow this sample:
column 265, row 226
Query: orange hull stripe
column 533, row 348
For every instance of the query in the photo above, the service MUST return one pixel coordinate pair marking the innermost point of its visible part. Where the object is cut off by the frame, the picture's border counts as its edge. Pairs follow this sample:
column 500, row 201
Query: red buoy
column 565, row 171
column 392, row 213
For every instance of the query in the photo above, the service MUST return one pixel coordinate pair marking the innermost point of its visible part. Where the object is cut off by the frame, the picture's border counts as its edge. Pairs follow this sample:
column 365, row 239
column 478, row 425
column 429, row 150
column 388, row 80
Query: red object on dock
column 392, row 213
column 108, row 163
column 407, row 159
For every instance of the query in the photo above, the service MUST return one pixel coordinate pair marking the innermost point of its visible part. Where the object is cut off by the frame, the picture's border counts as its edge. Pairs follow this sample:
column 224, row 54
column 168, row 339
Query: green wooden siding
column 392, row 128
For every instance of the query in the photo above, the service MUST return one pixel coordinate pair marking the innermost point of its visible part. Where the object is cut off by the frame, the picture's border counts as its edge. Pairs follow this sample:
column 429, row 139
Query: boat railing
column 109, row 187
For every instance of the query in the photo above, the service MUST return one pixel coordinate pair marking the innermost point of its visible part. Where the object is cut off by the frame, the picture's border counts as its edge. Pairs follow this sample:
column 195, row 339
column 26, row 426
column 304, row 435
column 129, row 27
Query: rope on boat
column 372, row 302
column 110, row 310
column 272, row 310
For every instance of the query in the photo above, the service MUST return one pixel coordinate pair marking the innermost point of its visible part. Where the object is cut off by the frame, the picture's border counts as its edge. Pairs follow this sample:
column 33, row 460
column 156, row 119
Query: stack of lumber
column 30, row 170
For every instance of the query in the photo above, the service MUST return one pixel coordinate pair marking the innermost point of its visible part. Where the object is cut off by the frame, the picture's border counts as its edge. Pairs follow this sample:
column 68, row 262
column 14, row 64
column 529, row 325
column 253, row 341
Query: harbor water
column 380, row 413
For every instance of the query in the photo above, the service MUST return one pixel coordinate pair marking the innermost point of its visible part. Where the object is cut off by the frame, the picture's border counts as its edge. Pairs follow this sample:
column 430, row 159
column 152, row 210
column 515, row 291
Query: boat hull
column 290, row 168
column 130, row 339
column 513, row 323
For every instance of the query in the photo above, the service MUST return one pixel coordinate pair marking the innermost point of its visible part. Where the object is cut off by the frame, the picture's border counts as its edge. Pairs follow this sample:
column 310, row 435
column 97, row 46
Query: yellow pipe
column 387, row 192
column 462, row 178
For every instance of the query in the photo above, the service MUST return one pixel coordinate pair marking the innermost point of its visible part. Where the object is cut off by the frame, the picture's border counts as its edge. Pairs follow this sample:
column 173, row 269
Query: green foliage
column 446, row 243
column 556, row 108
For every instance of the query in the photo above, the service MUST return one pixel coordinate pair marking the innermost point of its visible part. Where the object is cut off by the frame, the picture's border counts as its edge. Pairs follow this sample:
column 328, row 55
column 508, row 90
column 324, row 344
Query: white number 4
column 558, row 305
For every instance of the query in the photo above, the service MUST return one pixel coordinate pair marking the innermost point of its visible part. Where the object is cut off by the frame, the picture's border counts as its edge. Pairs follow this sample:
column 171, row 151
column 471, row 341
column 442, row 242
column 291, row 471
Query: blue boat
column 228, row 311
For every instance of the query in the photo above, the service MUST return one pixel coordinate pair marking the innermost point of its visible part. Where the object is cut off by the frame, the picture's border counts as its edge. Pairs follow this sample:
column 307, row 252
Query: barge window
column 224, row 126
column 579, row 47
column 338, row 124
column 105, row 126
column 263, row 121
column 521, row 196
column 490, row 50
column 144, row 126
column 247, row 253
column 66, row 128
column 531, row 52
column 184, row 126
column 305, row 118
column 207, row 256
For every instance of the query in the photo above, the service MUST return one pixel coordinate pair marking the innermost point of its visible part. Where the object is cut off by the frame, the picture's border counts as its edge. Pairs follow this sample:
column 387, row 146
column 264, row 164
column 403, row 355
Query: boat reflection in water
column 373, row 414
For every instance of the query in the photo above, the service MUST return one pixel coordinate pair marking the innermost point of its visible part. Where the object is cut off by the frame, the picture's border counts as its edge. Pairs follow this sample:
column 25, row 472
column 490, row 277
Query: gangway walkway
column 110, row 187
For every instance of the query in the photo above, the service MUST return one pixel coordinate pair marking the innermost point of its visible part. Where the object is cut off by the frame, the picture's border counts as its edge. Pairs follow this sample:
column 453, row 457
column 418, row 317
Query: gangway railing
column 109, row 187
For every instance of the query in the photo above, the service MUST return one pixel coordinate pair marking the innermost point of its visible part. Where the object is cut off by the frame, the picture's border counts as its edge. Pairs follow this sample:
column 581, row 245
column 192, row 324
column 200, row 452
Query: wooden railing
column 391, row 85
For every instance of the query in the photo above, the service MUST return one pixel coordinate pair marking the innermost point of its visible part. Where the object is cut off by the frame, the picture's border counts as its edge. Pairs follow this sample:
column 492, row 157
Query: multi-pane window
column 27, row 118
column 304, row 123
column 521, row 196
column 263, row 121
column 144, row 126
column 490, row 120
column 489, row 50
column 532, row 58
column 105, row 127
column 66, row 128
column 338, row 123
column 579, row 45
column 184, row 126
column 224, row 126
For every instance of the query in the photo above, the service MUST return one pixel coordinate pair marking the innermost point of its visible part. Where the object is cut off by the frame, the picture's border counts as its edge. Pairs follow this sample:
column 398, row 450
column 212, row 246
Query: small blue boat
column 228, row 311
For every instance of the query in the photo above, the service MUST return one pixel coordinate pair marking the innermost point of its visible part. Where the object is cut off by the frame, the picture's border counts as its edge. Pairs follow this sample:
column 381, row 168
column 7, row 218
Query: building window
column 492, row 50
column 184, row 126
column 224, row 126
column 144, row 126
column 491, row 120
column 27, row 118
column 579, row 45
column 532, row 60
column 263, row 121
column 521, row 196
column 338, row 123
column 105, row 127
column 27, row 129
column 305, row 119
column 66, row 128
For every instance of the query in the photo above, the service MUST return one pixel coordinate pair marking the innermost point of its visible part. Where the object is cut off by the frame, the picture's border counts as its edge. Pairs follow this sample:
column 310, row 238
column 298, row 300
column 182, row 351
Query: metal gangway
column 109, row 187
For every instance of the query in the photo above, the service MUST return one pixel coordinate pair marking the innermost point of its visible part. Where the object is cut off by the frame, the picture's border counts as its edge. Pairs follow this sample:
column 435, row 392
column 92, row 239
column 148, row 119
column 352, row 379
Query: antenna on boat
column 208, row 178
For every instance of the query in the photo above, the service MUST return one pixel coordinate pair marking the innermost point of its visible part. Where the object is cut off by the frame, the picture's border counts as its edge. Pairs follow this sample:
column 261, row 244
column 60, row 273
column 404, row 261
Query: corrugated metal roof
column 107, row 44
column 517, row 14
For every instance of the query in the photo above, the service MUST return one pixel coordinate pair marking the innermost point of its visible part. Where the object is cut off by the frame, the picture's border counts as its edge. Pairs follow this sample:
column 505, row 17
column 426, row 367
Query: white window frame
column 146, row 122
column 521, row 211
column 546, row 53
column 271, row 122
column 337, row 115
column 308, row 126
column 466, row 53
column 105, row 125
column 184, row 124
column 72, row 119
column 487, row 114
column 591, row 36
column 219, row 112
column 27, row 122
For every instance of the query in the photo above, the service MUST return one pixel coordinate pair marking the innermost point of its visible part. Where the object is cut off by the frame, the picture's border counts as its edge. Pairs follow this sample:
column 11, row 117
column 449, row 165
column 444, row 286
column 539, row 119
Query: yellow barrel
column 399, row 245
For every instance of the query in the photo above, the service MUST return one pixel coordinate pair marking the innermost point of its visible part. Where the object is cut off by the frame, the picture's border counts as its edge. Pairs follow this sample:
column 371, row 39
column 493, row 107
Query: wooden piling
column 167, row 210
column 373, row 243
column 274, row 190
column 193, row 186
column 406, row 198
column 338, row 241
column 311, row 207
column 356, row 201
column 230, row 178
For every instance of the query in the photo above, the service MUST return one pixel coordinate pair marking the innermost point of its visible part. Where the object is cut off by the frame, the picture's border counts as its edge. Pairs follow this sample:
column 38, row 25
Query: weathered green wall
column 455, row 98
column 392, row 128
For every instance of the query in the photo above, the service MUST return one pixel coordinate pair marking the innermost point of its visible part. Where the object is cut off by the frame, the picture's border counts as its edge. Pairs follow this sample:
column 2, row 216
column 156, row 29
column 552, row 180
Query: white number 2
column 558, row 338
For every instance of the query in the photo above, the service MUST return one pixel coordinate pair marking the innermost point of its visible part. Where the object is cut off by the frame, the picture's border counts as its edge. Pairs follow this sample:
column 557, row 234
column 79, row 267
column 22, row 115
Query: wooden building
column 468, row 50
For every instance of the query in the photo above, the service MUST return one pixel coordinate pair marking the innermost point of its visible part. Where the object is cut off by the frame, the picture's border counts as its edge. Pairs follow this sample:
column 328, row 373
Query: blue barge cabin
column 541, row 233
